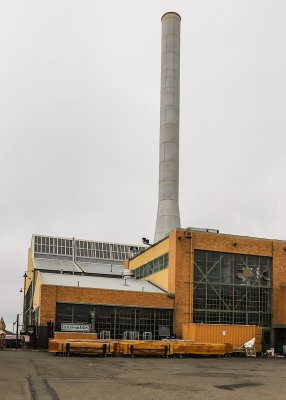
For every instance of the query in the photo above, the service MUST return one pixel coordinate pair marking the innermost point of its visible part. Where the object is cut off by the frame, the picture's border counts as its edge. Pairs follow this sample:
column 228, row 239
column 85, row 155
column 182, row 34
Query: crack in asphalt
column 238, row 385
column 40, row 389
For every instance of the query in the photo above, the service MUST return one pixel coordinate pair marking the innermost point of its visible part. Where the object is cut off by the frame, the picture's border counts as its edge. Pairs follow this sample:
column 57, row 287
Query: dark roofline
column 57, row 271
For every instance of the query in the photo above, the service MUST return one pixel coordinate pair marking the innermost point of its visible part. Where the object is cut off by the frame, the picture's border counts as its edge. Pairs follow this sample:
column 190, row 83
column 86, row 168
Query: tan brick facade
column 232, row 244
column 182, row 244
column 52, row 294
column 181, row 277
column 48, row 296
column 279, row 284
column 254, row 246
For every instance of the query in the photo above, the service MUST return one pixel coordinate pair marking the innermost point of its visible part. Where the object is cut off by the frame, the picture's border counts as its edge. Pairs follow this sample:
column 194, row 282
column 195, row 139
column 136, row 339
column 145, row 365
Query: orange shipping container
column 237, row 335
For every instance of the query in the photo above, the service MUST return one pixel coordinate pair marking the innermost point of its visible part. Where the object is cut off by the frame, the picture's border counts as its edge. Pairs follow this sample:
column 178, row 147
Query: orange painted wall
column 237, row 335
column 153, row 252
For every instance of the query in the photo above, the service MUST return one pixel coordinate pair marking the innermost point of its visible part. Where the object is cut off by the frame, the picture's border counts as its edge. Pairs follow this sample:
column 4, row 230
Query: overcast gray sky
column 79, row 122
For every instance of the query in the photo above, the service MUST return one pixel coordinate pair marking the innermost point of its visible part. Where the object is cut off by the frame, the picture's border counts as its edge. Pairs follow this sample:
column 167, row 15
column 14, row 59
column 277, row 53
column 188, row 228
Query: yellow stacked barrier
column 87, row 347
column 147, row 348
column 54, row 345
column 123, row 346
column 74, row 346
column 185, row 347
column 137, row 347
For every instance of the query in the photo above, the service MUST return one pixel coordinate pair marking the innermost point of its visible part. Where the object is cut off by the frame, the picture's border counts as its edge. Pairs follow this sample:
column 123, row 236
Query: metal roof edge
column 97, row 288
column 156, row 285
column 233, row 235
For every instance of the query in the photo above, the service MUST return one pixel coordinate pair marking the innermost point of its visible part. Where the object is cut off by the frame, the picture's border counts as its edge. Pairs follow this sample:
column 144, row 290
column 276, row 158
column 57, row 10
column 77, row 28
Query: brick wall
column 182, row 244
column 51, row 294
column 232, row 244
column 254, row 246
column 181, row 277
column 48, row 295
column 279, row 279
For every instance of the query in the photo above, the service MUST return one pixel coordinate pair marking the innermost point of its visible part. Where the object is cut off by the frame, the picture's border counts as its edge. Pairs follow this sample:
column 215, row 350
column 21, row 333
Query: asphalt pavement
column 38, row 375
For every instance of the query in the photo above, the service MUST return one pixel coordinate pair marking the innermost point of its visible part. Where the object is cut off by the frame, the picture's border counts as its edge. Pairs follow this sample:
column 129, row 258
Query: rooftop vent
column 127, row 273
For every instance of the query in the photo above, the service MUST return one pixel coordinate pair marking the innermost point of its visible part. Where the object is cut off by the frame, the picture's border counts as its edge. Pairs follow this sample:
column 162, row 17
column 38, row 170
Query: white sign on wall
column 75, row 327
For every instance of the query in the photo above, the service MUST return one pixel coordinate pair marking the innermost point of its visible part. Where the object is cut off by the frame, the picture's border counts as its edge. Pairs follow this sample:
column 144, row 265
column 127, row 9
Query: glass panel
column 116, row 319
column 237, row 286
column 152, row 266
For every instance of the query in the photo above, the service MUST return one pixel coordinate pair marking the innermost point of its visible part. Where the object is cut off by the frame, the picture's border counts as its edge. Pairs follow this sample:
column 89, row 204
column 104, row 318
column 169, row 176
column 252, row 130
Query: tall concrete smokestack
column 168, row 215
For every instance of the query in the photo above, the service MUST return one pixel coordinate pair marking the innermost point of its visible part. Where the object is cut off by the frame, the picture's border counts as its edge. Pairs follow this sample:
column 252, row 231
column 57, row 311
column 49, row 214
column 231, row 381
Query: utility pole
column 17, row 329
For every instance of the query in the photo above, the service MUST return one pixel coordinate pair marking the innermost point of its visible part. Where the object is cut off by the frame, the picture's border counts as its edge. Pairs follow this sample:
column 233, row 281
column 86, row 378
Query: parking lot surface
column 38, row 375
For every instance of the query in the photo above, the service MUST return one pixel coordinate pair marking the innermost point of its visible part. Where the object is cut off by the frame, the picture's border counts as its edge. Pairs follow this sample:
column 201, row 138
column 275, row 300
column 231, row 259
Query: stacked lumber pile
column 131, row 348
column 185, row 347
column 75, row 346
column 143, row 348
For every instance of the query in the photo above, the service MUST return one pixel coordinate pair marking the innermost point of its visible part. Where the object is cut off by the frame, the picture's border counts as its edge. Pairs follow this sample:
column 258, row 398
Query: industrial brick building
column 81, row 282
column 220, row 279
column 189, row 276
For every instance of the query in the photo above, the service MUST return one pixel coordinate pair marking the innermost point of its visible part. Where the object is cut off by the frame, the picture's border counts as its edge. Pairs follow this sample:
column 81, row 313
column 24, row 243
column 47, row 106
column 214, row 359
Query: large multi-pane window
column 84, row 248
column 92, row 249
column 52, row 245
column 101, row 250
column 116, row 319
column 151, row 267
column 232, row 288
